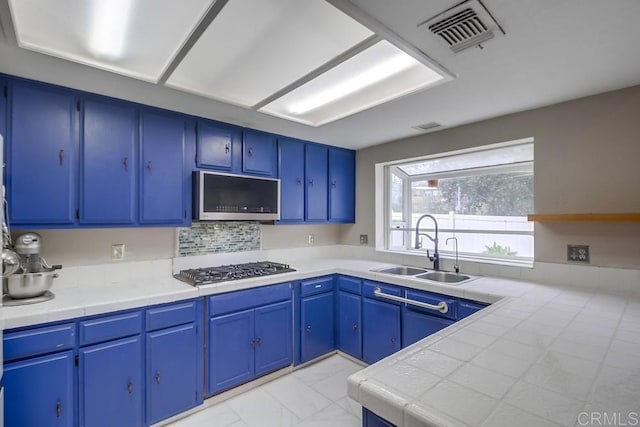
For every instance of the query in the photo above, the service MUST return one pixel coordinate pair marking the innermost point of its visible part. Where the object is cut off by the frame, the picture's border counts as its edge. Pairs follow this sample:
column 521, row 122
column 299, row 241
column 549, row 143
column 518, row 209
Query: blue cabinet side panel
column 111, row 384
column 39, row 391
column 231, row 358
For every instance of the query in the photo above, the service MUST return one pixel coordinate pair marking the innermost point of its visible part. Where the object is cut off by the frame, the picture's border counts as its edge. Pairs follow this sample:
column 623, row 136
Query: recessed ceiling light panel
column 374, row 76
column 255, row 48
column 137, row 38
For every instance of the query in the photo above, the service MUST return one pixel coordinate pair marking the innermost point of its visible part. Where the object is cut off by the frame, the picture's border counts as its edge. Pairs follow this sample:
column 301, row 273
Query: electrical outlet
column 312, row 239
column 578, row 253
column 117, row 251
column 364, row 239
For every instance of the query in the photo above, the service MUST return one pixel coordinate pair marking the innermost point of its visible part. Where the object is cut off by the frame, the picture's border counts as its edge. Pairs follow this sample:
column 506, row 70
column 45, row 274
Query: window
column 480, row 197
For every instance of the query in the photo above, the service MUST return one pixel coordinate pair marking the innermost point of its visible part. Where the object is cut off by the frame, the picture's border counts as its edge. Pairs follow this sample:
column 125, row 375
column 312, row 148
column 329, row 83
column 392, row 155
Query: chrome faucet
column 435, row 258
column 456, row 266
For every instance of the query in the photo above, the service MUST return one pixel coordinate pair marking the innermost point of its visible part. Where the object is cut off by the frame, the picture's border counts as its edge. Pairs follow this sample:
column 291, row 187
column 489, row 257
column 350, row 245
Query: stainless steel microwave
column 220, row 196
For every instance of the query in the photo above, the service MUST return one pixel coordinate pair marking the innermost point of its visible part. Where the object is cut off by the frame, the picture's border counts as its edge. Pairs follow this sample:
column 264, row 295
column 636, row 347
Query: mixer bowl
column 29, row 285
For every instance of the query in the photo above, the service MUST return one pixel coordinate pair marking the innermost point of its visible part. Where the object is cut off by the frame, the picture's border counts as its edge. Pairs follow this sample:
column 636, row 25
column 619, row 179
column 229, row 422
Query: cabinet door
column 273, row 337
column 291, row 180
column 467, row 308
column 39, row 391
column 172, row 383
column 380, row 330
column 369, row 419
column 417, row 325
column 349, row 324
column 341, row 185
column 231, row 355
column 215, row 144
column 317, row 336
column 316, row 164
column 42, row 156
column 259, row 153
column 110, row 384
column 108, row 163
column 162, row 198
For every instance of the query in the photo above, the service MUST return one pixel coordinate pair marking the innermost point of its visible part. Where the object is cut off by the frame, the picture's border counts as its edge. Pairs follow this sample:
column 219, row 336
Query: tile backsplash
column 204, row 238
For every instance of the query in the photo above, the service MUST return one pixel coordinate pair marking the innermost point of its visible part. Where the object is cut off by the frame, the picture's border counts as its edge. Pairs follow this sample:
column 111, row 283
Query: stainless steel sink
column 444, row 276
column 402, row 270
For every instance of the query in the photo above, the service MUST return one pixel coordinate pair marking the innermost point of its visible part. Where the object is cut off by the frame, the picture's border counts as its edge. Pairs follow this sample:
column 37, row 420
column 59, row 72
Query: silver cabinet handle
column 149, row 166
column 354, row 327
column 58, row 410
column 250, row 152
column 130, row 387
column 442, row 306
column 125, row 163
column 333, row 184
column 158, row 377
column 308, row 329
column 226, row 148
column 299, row 181
column 311, row 182
column 61, row 157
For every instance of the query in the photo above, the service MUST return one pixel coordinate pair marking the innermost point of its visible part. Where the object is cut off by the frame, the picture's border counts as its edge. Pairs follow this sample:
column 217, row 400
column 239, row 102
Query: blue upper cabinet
column 291, row 180
column 259, row 153
column 216, row 144
column 41, row 157
column 108, row 162
column 316, row 167
column 162, row 168
column 341, row 185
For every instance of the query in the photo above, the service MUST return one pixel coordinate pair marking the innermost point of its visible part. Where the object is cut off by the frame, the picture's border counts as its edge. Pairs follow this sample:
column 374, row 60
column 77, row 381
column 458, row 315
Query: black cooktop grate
column 222, row 273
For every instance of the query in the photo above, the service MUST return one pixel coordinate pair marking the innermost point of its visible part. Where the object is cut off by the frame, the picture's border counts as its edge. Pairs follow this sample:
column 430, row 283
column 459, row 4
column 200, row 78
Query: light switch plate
column 364, row 239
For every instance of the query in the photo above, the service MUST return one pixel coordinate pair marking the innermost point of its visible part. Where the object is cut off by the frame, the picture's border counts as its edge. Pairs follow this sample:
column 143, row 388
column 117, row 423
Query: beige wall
column 93, row 246
column 587, row 159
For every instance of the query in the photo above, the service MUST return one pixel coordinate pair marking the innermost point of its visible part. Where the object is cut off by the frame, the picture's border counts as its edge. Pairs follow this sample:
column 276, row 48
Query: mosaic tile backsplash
column 217, row 237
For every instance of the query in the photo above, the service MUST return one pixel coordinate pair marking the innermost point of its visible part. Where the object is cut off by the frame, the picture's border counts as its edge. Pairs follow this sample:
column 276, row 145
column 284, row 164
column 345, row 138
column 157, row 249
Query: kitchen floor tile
column 309, row 397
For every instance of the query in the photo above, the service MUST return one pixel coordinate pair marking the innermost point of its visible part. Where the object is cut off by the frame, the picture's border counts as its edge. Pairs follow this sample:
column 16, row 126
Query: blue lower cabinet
column 381, row 333
column 172, row 374
column 243, row 345
column 369, row 419
column 417, row 325
column 39, row 391
column 273, row 332
column 111, row 385
column 231, row 343
column 467, row 308
column 349, row 321
column 317, row 334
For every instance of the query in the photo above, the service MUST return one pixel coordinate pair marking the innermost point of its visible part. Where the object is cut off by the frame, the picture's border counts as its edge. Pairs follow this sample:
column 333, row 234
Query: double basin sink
column 421, row 273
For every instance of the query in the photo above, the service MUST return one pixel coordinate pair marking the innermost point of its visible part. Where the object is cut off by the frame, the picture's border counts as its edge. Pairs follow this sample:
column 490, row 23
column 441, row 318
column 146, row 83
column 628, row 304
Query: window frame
column 389, row 225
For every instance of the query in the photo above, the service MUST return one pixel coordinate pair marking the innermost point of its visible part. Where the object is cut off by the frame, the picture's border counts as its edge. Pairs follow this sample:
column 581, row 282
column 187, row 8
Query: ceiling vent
column 466, row 25
column 428, row 127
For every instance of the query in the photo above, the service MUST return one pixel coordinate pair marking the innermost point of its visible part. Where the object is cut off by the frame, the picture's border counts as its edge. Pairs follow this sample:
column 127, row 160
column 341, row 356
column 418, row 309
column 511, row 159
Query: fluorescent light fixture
column 376, row 75
column 345, row 88
column 110, row 21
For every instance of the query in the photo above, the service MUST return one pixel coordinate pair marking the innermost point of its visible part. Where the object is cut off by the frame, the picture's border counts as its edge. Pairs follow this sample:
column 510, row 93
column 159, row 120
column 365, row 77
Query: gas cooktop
column 222, row 273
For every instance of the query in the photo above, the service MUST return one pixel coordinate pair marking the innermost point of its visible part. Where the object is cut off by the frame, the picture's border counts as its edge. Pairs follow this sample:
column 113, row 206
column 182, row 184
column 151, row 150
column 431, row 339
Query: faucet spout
column 435, row 258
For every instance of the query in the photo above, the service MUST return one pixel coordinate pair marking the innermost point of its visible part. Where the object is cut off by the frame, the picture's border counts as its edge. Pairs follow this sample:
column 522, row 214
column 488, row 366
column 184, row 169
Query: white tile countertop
column 539, row 355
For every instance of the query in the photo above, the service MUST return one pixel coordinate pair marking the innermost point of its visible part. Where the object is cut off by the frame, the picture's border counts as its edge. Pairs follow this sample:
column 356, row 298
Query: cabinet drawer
column 369, row 287
column 242, row 300
column 433, row 299
column 32, row 342
column 171, row 315
column 350, row 284
column 110, row 327
column 316, row 286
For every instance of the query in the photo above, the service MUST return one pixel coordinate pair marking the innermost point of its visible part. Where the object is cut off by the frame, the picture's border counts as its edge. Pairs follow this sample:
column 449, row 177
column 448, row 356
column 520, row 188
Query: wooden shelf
column 586, row 217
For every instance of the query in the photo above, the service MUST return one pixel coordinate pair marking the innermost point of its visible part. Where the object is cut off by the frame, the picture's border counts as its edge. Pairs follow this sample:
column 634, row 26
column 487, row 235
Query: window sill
column 450, row 256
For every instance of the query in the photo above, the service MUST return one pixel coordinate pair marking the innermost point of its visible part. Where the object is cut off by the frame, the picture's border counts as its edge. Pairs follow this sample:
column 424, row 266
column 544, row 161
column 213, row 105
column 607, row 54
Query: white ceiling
column 553, row 50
